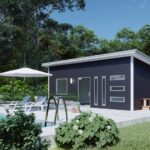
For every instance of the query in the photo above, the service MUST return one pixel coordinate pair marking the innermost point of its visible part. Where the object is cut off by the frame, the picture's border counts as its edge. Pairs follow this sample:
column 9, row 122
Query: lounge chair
column 40, row 103
column 14, row 105
column 23, row 102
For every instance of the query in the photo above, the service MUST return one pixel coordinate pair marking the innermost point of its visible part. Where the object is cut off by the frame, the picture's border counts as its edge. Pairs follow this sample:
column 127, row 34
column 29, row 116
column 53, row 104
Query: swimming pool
column 41, row 122
column 2, row 116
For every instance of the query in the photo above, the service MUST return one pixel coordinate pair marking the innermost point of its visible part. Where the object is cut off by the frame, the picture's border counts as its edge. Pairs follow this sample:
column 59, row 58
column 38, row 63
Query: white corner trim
column 132, row 84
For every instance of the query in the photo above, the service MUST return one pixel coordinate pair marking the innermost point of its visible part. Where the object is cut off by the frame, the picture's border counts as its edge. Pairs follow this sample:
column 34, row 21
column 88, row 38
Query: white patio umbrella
column 25, row 72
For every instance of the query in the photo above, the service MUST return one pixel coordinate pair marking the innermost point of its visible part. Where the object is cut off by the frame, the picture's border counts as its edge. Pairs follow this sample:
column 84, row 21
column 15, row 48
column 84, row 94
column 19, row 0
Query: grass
column 135, row 137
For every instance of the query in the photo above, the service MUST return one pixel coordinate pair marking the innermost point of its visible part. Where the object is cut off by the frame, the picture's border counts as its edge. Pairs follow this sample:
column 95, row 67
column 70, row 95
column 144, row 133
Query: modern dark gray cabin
column 116, row 80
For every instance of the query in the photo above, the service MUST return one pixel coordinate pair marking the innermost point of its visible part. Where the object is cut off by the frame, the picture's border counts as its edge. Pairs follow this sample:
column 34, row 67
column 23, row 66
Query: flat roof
column 121, row 54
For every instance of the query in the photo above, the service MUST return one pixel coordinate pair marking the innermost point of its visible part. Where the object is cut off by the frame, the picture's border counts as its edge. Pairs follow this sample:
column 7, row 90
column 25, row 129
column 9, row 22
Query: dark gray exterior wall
column 141, row 82
column 96, row 68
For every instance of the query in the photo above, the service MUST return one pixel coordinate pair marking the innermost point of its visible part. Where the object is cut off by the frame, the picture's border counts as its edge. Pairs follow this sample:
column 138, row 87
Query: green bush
column 17, row 89
column 19, row 132
column 87, row 130
column 70, row 96
column 41, row 89
column 14, row 90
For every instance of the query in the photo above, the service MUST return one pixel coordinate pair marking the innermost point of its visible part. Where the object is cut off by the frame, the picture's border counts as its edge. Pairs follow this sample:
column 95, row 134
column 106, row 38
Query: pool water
column 2, row 116
column 41, row 122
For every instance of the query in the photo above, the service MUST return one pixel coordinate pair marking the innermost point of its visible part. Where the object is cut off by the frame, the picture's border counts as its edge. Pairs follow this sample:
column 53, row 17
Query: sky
column 107, row 17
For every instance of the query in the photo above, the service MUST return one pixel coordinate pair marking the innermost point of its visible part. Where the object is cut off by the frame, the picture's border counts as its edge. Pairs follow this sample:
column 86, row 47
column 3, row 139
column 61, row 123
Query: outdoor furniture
column 25, row 72
column 40, row 103
column 146, row 104
column 14, row 104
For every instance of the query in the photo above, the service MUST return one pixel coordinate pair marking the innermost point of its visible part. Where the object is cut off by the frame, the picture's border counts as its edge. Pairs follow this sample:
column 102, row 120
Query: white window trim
column 104, row 100
column 57, row 79
column 132, row 84
column 95, row 96
column 112, row 76
column 116, row 101
column 123, row 89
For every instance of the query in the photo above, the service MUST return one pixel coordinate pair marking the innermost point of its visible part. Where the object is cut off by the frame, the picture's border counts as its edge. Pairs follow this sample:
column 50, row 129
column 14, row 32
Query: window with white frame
column 117, row 99
column 117, row 77
column 103, row 90
column 62, row 86
column 95, row 90
column 117, row 88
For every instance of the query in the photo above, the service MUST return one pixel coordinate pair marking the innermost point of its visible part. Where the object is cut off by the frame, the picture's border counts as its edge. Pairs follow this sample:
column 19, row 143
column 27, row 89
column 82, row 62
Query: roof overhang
column 121, row 54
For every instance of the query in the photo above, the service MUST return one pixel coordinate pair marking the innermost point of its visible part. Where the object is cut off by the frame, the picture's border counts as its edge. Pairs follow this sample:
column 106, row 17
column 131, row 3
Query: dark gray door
column 84, row 90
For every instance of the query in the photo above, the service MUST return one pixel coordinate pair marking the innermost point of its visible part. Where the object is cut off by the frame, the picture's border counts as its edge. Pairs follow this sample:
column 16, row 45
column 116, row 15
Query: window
column 117, row 99
column 95, row 90
column 117, row 88
column 117, row 77
column 62, row 86
column 103, row 90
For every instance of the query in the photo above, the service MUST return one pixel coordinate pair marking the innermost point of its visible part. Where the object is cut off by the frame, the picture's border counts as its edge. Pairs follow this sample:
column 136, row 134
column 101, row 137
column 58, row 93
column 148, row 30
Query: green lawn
column 135, row 137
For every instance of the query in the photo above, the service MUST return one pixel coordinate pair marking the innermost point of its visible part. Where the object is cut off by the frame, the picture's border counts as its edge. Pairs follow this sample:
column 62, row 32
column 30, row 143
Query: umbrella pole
column 24, row 81
column 48, row 95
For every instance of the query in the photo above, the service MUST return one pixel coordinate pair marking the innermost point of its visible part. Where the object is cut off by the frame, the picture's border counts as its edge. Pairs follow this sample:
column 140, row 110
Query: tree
column 26, row 19
column 144, row 39
column 5, row 46
column 125, row 35
column 125, row 39
column 84, row 40
column 80, row 42
column 67, row 41
column 54, row 39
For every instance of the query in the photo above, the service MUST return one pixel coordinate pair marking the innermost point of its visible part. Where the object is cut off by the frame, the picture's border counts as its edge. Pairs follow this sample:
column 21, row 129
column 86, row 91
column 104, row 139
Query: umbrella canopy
column 25, row 72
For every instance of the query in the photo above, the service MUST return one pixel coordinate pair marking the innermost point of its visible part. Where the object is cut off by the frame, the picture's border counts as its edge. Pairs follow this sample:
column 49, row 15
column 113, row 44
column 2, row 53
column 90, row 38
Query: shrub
column 17, row 89
column 19, row 131
column 69, row 97
column 87, row 130
column 41, row 89
column 14, row 90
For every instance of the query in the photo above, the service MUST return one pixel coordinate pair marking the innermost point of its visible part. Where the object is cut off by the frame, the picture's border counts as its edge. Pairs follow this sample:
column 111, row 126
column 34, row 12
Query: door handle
column 89, row 94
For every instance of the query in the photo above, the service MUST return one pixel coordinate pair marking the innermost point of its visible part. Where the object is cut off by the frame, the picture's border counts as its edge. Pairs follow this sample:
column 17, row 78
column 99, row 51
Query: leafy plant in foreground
column 19, row 132
column 87, row 130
